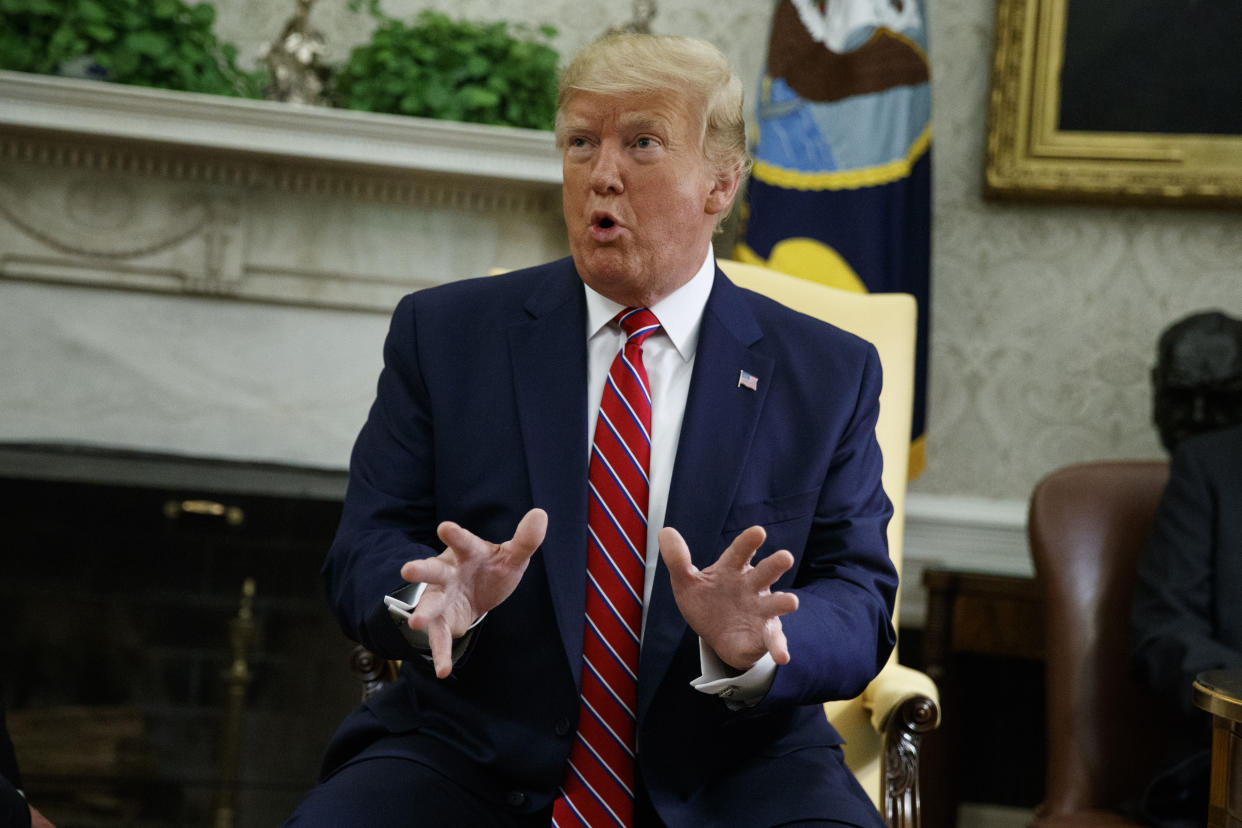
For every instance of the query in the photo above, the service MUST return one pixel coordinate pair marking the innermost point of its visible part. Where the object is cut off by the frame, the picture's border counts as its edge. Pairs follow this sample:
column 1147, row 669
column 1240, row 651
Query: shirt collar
column 679, row 313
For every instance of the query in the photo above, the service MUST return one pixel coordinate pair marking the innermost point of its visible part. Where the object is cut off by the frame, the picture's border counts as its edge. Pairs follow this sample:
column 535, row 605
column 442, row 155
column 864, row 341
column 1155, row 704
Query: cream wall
column 1044, row 318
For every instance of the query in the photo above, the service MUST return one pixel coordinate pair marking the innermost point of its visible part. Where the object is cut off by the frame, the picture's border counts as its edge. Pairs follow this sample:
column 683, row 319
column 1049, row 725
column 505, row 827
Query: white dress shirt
column 668, row 356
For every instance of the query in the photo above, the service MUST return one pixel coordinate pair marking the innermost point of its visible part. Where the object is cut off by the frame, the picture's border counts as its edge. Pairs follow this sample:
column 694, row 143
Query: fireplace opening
column 123, row 580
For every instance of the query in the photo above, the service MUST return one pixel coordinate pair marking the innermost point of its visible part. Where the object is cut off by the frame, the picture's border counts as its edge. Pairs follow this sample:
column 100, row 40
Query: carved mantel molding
column 133, row 188
column 117, row 115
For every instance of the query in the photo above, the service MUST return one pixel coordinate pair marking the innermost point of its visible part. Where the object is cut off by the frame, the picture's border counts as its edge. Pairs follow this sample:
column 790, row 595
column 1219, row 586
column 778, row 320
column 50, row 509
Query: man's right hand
column 470, row 577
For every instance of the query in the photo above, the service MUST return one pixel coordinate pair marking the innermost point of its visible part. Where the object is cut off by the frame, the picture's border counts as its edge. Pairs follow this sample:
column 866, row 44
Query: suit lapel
column 716, row 436
column 549, row 375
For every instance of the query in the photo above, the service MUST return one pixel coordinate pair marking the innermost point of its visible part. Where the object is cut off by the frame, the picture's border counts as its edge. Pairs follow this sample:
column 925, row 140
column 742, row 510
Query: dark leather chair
column 1087, row 525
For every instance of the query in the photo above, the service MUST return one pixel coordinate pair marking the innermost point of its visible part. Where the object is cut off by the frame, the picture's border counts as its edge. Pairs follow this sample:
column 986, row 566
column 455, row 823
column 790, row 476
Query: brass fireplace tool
column 236, row 678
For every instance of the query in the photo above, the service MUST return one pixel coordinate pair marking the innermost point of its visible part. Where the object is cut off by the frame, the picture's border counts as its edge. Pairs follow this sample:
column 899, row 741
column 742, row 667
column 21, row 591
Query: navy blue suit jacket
column 1187, row 616
column 481, row 414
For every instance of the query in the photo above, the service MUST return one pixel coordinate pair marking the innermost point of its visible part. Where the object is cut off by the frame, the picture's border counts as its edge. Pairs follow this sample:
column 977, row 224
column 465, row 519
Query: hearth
column 122, row 575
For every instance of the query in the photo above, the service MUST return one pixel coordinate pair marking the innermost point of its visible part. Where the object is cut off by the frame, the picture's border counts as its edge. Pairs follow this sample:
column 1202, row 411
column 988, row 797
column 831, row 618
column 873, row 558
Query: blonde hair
column 692, row 70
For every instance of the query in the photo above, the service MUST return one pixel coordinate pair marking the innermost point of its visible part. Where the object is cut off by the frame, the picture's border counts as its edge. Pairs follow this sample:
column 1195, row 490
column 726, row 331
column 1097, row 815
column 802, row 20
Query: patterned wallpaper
column 1044, row 318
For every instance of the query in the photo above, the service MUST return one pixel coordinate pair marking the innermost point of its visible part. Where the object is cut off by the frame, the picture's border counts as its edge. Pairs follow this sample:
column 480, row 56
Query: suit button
column 515, row 799
column 563, row 727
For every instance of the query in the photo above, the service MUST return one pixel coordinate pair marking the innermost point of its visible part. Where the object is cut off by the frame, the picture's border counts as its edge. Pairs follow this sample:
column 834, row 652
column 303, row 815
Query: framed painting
column 1119, row 101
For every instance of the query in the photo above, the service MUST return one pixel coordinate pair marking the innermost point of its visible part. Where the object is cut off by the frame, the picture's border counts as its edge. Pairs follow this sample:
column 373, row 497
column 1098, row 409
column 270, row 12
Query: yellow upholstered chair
column 884, row 726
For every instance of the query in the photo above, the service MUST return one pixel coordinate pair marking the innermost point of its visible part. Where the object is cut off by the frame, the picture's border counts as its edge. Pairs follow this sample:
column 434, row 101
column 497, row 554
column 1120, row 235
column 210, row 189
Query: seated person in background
column 619, row 660
column 14, row 810
column 1197, row 379
column 1187, row 612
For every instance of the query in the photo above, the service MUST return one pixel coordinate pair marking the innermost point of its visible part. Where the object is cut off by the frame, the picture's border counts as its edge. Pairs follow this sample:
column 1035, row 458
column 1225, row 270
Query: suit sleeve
column 842, row 633
column 1171, row 618
column 389, row 514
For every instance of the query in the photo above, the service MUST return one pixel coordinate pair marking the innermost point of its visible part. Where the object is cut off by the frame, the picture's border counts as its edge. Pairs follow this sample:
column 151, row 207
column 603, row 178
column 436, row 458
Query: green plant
column 436, row 67
column 161, row 43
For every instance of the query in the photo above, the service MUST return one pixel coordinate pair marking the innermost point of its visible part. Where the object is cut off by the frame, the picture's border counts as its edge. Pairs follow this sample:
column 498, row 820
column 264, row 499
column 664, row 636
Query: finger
column 676, row 555
column 738, row 554
column 528, row 535
column 441, row 648
column 430, row 606
column 454, row 536
column 777, row 603
column 771, row 568
column 427, row 570
column 774, row 640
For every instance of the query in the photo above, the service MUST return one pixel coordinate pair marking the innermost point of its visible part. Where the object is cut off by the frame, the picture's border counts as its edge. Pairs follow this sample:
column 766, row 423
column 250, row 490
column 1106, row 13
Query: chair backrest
column 1088, row 524
column 887, row 321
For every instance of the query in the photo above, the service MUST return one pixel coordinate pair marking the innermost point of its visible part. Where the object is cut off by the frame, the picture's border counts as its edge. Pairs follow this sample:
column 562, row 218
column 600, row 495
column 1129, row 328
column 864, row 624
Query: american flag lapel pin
column 745, row 379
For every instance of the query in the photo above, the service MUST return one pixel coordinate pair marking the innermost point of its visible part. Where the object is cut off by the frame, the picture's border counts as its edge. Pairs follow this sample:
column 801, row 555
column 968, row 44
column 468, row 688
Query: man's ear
column 724, row 190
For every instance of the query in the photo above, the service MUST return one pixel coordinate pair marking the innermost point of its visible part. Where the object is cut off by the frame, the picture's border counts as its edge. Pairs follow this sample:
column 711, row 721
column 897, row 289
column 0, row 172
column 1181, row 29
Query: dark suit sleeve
column 1174, row 635
column 842, row 632
column 389, row 513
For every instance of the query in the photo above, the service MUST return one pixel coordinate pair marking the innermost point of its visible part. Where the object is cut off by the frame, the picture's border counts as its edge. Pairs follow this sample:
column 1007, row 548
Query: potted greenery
column 435, row 67
column 161, row 43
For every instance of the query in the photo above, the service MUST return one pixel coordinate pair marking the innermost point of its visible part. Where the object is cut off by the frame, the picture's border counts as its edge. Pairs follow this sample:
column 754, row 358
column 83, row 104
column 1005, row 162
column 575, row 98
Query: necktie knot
column 638, row 324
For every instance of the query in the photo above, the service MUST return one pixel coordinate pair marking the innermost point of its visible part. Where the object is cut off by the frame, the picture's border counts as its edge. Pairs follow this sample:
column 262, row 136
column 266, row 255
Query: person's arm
column 831, row 633
column 1171, row 617
column 846, row 583
column 389, row 534
column 389, row 514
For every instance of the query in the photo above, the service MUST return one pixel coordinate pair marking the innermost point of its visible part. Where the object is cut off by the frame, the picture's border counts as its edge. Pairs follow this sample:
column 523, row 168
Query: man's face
column 640, row 202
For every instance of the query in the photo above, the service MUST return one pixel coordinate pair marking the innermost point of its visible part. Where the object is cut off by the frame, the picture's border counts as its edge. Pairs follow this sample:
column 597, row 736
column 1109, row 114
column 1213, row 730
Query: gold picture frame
column 1030, row 157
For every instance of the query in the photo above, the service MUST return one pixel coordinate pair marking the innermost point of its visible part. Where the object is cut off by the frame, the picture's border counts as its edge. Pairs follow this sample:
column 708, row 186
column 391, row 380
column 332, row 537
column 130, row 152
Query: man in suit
column 1187, row 615
column 540, row 684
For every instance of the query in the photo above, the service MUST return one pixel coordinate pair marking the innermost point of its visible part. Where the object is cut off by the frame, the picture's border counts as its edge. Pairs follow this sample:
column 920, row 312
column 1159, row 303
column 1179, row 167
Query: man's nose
column 606, row 176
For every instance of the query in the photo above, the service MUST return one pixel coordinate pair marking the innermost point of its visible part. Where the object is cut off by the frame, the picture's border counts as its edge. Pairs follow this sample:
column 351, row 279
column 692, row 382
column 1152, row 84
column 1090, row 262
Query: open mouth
column 605, row 228
column 603, row 220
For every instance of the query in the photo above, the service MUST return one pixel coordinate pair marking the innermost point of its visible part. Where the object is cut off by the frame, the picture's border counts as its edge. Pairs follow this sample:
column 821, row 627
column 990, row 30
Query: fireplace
column 122, row 576
column 194, row 292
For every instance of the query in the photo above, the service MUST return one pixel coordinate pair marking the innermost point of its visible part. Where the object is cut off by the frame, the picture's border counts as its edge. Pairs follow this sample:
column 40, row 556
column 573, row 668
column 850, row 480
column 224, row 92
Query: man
column 1187, row 616
column 623, row 417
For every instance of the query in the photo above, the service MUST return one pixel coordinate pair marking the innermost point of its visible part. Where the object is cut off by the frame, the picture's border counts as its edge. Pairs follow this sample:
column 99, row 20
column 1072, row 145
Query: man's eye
column 644, row 143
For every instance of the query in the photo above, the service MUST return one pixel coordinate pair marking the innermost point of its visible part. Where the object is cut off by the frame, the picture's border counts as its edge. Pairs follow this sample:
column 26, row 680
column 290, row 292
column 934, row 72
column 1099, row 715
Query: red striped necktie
column 599, row 783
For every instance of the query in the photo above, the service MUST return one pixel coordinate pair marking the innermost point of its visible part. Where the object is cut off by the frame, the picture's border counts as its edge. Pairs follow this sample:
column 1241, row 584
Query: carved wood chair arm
column 372, row 670
column 908, row 722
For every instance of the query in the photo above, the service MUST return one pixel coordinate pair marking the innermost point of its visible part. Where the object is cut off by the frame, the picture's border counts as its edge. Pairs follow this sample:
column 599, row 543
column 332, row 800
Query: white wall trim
column 964, row 533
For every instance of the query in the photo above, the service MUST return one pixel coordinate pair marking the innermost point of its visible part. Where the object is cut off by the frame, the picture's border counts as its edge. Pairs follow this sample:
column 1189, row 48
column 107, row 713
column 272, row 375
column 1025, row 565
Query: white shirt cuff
column 736, row 690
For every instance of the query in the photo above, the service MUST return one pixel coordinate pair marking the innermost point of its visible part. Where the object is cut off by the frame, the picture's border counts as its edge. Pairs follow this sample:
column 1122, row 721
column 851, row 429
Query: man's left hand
column 730, row 603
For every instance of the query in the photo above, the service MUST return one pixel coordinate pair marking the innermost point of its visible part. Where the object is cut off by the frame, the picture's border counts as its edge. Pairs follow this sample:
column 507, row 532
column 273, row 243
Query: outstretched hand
column 470, row 577
column 730, row 603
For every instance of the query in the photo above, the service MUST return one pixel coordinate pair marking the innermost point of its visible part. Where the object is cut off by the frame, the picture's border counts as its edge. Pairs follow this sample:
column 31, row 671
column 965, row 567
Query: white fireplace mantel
column 133, row 188
column 278, row 130
column 212, row 277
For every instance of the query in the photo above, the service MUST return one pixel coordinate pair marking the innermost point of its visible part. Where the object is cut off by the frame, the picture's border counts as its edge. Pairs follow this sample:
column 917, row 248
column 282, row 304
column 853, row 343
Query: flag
column 841, row 187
